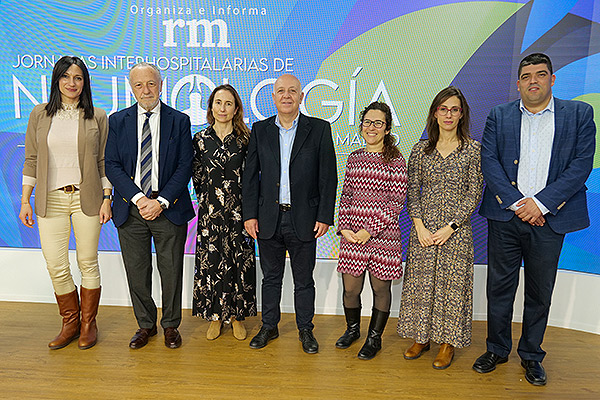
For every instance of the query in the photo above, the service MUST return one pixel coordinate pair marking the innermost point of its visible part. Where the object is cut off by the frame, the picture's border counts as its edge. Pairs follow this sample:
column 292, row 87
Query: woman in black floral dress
column 225, row 272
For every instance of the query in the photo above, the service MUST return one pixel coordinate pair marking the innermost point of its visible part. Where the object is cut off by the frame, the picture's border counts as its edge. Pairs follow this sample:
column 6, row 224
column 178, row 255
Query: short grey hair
column 146, row 64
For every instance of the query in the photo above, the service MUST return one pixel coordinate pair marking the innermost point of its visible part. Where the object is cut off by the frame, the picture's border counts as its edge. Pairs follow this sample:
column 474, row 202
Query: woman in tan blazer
column 64, row 158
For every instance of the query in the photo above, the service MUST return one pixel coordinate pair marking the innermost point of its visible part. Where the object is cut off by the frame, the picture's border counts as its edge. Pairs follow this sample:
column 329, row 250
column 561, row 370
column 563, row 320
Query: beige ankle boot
column 214, row 330
column 239, row 330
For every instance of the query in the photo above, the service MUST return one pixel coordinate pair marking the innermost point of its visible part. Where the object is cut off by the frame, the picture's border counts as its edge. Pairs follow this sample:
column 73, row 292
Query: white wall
column 23, row 277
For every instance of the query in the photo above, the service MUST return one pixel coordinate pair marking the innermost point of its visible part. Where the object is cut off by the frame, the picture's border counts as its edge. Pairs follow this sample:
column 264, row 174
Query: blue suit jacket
column 571, row 162
column 175, row 162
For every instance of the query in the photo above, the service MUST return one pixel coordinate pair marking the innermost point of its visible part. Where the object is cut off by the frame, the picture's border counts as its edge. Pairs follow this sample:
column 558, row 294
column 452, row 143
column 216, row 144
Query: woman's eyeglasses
column 443, row 110
column 377, row 123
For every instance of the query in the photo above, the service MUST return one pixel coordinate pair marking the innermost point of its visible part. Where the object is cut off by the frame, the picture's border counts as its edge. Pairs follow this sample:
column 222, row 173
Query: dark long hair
column 433, row 128
column 85, row 99
column 239, row 127
column 390, row 151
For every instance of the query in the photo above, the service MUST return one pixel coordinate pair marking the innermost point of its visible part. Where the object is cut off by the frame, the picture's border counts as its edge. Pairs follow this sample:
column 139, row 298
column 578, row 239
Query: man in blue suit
column 536, row 155
column 149, row 162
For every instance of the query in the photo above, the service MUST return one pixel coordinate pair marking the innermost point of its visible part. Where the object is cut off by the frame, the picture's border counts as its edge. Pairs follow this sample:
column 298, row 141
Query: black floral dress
column 225, row 271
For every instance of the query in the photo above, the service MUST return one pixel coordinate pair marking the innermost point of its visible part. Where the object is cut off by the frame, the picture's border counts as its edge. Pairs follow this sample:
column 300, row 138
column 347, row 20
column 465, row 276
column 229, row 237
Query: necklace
column 68, row 111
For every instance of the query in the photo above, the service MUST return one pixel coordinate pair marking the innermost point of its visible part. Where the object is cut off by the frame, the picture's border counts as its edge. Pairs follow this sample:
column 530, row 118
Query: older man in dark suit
column 536, row 155
column 149, row 161
column 288, row 198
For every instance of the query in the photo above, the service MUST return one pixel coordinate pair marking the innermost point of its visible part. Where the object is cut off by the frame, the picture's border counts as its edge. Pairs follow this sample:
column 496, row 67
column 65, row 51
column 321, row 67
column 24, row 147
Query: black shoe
column 373, row 343
column 487, row 362
column 352, row 328
column 309, row 343
column 534, row 372
column 263, row 336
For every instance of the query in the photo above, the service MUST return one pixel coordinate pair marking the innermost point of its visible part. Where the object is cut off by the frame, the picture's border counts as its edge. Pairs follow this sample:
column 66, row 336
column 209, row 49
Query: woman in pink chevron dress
column 372, row 197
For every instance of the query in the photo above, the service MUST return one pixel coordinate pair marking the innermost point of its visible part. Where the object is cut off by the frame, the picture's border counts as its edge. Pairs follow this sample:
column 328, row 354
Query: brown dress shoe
column 416, row 350
column 90, row 298
column 172, row 338
column 444, row 357
column 68, row 307
column 140, row 339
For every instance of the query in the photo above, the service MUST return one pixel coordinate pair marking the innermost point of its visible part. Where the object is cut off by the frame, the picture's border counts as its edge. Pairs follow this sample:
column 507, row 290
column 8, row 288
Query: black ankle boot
column 353, row 328
column 373, row 343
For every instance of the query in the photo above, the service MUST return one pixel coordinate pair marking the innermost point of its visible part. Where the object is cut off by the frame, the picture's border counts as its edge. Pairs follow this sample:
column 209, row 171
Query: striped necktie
column 146, row 157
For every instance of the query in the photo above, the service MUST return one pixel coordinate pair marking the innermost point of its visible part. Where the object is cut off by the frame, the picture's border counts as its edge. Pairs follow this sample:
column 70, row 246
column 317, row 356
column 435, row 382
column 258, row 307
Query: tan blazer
column 91, row 143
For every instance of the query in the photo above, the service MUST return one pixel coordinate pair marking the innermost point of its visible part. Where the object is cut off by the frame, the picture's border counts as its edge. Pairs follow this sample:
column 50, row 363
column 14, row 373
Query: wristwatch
column 163, row 205
column 107, row 197
column 453, row 225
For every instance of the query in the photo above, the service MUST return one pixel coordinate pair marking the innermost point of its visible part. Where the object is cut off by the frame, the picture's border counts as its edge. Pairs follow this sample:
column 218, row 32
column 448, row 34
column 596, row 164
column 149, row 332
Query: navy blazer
column 313, row 177
column 571, row 162
column 175, row 162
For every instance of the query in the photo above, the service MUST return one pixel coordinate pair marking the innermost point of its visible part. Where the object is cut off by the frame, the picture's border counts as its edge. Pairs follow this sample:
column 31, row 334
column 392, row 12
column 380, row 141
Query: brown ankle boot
column 68, row 307
column 444, row 357
column 90, row 298
column 415, row 351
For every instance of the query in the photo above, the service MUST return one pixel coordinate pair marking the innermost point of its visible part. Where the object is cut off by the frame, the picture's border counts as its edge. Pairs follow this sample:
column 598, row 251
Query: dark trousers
column 272, row 262
column 538, row 248
column 135, row 237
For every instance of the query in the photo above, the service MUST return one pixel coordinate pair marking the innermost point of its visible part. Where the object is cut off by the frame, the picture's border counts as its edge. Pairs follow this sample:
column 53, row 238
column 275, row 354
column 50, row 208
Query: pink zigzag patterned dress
column 372, row 197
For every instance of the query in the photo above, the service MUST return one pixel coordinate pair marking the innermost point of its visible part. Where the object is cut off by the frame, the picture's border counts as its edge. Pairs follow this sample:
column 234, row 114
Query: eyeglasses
column 443, row 110
column 377, row 123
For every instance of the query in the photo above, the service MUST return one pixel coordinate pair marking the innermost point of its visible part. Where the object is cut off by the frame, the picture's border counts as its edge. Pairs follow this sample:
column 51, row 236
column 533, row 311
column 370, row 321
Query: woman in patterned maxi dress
column 444, row 188
column 372, row 197
column 225, row 271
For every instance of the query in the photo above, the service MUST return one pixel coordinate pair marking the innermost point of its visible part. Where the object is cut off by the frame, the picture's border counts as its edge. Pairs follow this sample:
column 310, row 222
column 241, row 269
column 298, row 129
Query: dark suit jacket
column 570, row 164
column 175, row 162
column 313, row 177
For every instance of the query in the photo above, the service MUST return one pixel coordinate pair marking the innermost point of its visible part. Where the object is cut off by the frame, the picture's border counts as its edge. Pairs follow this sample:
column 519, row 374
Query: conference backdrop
column 345, row 53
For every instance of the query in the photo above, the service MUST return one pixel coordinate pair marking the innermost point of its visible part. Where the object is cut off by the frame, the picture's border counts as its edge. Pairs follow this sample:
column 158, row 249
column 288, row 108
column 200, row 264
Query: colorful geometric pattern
column 347, row 52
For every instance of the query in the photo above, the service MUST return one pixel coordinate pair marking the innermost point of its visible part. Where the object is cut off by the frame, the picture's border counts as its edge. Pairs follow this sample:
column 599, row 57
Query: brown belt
column 69, row 189
column 154, row 195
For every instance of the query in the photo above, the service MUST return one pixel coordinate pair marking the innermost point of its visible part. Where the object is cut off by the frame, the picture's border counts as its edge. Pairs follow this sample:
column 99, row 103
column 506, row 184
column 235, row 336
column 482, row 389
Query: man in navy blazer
column 149, row 162
column 536, row 155
column 288, row 197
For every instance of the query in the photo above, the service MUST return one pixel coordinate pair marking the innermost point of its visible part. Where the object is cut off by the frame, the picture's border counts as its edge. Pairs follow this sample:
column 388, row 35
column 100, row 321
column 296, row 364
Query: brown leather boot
column 90, row 298
column 444, row 357
column 68, row 307
column 415, row 351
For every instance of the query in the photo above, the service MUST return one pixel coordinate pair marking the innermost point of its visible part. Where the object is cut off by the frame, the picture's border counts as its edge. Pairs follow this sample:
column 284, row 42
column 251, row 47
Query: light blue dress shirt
column 286, row 141
column 537, row 136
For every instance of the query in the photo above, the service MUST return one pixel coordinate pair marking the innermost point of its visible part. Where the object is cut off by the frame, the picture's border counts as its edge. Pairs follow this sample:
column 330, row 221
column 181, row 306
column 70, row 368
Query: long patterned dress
column 437, row 292
column 372, row 197
column 225, row 271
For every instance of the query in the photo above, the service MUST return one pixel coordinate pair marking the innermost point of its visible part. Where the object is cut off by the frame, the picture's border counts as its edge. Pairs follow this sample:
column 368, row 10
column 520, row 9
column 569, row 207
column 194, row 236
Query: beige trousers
column 62, row 209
